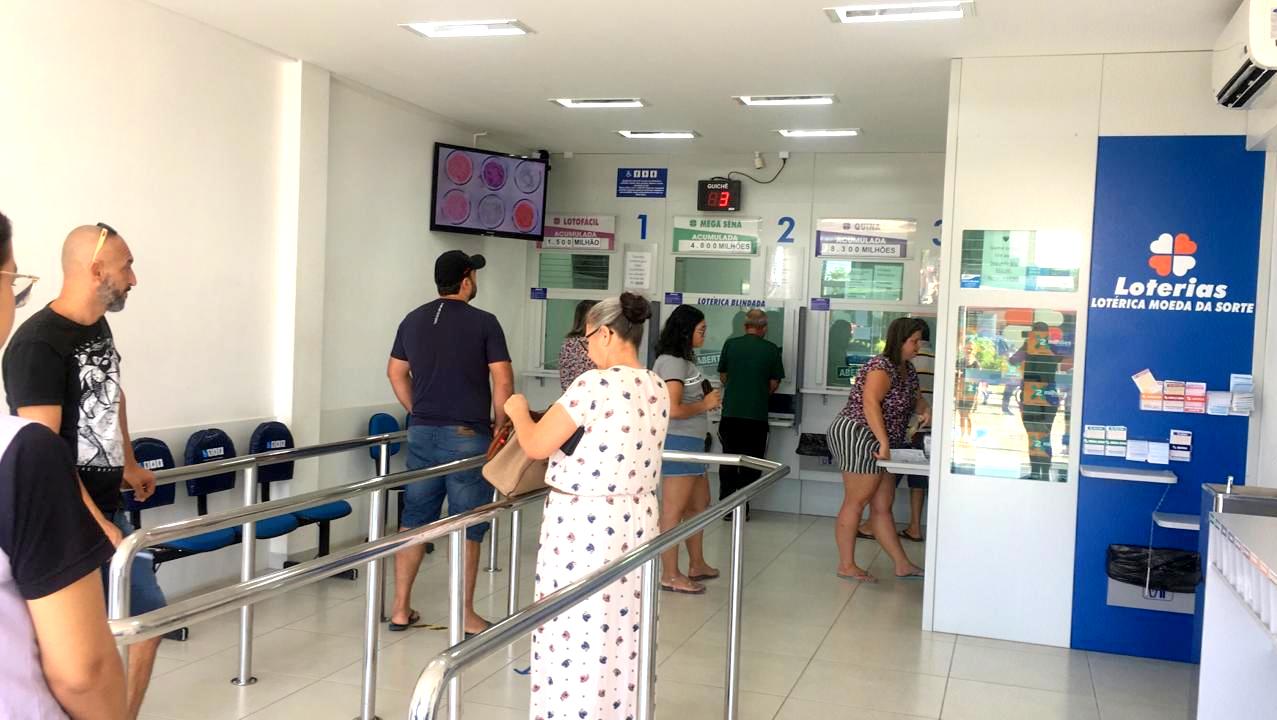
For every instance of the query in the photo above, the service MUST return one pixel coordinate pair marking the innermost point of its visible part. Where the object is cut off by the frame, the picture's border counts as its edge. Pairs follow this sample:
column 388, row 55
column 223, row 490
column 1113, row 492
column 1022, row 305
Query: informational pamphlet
column 1181, row 446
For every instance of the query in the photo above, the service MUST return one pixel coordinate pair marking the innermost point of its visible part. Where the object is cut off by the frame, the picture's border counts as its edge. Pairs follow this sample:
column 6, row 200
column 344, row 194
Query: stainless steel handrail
column 443, row 669
column 121, row 568
column 222, row 600
column 272, row 457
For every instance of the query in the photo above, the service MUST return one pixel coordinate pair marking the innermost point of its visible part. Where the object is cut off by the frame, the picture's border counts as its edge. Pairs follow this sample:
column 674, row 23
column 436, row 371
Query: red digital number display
column 718, row 195
column 719, row 198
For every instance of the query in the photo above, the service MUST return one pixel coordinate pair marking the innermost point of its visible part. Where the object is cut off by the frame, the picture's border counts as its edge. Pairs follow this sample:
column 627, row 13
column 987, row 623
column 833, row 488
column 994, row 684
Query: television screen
column 487, row 193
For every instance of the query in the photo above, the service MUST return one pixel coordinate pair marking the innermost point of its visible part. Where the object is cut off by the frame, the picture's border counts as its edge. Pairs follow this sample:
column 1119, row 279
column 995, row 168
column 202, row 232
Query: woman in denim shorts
column 684, row 486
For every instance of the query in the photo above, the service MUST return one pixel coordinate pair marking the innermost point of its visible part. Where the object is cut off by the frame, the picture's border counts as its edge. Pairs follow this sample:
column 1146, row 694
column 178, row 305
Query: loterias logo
column 1171, row 256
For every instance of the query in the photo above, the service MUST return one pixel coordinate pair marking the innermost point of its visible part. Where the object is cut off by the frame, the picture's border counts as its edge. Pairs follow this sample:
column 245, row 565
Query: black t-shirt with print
column 52, row 360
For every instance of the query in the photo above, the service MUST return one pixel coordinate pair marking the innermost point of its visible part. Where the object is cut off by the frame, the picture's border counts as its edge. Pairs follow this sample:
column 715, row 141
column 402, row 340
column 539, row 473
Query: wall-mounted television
column 481, row 192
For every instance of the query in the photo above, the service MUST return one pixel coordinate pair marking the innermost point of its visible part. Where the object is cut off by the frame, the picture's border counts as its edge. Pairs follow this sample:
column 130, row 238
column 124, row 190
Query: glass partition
column 558, row 323
column 855, row 336
column 1012, row 386
column 720, row 276
column 572, row 271
column 723, row 323
column 857, row 280
column 1021, row 260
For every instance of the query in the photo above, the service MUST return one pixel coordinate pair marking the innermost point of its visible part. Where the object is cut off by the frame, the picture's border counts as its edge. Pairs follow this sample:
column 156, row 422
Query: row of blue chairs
column 213, row 444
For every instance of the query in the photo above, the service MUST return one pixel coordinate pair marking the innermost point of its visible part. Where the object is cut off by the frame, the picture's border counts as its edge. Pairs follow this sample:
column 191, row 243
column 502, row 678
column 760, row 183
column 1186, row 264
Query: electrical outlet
column 784, row 154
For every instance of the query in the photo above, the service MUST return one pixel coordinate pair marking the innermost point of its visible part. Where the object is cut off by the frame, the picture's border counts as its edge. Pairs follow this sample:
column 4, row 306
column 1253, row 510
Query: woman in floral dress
column 602, row 504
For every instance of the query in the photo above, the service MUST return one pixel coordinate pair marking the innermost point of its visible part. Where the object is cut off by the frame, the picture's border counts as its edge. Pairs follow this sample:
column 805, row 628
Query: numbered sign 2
column 786, row 235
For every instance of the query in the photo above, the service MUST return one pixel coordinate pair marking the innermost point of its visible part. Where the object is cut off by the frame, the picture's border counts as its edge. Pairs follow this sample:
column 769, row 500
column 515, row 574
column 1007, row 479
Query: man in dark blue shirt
column 444, row 354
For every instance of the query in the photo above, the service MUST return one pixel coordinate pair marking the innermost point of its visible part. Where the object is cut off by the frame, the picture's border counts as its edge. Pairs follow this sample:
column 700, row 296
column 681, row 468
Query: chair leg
column 325, row 544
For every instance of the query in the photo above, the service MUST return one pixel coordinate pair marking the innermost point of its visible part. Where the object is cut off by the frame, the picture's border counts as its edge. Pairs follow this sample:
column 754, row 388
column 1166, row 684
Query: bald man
column 750, row 368
column 61, row 369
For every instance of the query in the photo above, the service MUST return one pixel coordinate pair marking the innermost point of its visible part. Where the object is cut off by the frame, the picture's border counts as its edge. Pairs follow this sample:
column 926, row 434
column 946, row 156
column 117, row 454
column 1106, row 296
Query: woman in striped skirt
column 883, row 398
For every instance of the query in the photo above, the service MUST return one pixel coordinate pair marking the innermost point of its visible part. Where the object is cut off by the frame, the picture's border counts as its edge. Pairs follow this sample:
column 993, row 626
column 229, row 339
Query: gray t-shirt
column 675, row 369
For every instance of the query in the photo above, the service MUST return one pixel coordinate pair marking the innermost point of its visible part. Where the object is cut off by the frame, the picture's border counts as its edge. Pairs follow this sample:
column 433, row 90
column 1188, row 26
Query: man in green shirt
column 750, row 369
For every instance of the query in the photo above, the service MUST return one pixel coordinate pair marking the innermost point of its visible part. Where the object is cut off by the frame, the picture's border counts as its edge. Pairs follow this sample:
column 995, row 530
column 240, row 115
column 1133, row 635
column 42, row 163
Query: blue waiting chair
column 154, row 454
column 213, row 444
column 274, row 435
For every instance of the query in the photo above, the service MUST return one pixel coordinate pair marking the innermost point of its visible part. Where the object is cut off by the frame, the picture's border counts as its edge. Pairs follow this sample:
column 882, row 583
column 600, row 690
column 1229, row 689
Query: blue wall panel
column 1211, row 189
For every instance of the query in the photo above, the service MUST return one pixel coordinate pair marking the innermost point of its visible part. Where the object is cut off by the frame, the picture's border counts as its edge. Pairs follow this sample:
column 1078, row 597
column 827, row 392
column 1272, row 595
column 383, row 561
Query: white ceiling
column 688, row 58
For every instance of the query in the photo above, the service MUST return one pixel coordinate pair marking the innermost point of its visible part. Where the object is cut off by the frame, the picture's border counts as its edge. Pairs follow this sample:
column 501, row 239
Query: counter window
column 1020, row 260
column 719, row 276
column 857, row 280
column 1012, row 388
column 723, row 323
column 855, row 336
column 558, row 323
column 570, row 271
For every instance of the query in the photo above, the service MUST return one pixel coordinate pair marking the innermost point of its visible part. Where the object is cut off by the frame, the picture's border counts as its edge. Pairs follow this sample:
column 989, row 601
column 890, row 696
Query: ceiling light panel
column 658, row 134
column 468, row 28
column 841, row 132
column 766, row 100
column 598, row 103
column 882, row 12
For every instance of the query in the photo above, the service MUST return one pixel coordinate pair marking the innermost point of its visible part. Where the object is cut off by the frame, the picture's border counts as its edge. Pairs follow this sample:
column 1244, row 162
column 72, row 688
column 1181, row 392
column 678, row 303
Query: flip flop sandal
column 681, row 591
column 472, row 634
column 863, row 577
column 413, row 618
column 702, row 578
column 905, row 534
column 911, row 576
column 863, row 536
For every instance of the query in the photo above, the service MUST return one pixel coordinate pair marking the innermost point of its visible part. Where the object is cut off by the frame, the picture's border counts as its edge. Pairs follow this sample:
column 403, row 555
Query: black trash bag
column 814, row 444
column 1172, row 570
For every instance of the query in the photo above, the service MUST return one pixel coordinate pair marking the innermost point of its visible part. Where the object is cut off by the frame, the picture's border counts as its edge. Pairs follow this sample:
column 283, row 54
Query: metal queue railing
column 129, row 630
column 246, row 466
column 253, row 589
column 444, row 670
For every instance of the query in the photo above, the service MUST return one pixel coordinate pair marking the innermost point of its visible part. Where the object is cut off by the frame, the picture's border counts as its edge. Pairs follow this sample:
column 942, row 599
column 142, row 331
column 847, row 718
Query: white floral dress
column 584, row 662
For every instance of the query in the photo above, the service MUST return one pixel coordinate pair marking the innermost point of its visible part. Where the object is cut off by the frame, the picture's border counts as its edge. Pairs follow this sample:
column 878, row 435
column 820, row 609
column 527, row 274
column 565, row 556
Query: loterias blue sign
column 1175, row 251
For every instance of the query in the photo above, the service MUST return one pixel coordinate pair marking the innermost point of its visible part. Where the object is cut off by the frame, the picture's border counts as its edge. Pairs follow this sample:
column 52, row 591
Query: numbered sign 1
column 642, row 218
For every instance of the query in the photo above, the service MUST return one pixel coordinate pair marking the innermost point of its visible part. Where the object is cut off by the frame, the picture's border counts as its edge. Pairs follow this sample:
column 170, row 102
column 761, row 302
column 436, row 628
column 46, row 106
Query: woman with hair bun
column 602, row 504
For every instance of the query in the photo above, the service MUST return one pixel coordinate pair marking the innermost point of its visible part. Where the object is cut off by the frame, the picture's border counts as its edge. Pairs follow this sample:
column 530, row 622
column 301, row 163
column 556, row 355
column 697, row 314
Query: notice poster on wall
column 716, row 236
column 579, row 232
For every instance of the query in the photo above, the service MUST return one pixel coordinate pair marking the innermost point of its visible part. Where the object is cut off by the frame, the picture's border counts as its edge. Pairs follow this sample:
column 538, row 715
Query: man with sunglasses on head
column 62, row 369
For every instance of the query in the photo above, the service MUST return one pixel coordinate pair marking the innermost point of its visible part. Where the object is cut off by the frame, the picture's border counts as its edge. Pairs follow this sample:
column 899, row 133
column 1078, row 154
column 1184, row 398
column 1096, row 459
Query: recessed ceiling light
column 658, row 134
column 468, row 28
column 578, row 103
column 900, row 11
column 763, row 100
column 845, row 132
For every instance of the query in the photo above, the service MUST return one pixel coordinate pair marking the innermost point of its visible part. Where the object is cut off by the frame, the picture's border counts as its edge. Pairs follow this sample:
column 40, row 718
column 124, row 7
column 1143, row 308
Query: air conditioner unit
column 1245, row 57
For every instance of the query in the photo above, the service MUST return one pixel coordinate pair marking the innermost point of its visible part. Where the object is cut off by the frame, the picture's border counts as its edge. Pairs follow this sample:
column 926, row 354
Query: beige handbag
column 509, row 469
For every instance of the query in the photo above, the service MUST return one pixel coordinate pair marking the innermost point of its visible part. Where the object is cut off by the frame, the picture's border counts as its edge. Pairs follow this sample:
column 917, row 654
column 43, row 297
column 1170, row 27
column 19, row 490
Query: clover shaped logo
column 1172, row 254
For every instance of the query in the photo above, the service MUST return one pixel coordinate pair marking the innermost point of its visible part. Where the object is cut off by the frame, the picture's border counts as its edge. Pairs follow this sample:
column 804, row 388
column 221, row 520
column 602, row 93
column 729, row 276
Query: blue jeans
column 466, row 490
column 145, row 594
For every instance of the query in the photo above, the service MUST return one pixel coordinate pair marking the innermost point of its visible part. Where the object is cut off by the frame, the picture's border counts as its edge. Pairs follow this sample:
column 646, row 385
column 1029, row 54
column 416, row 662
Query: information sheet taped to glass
column 860, row 280
column 1038, row 261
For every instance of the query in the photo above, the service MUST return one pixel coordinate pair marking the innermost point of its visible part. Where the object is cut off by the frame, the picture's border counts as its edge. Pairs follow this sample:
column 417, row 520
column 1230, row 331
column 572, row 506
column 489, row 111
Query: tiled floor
column 815, row 646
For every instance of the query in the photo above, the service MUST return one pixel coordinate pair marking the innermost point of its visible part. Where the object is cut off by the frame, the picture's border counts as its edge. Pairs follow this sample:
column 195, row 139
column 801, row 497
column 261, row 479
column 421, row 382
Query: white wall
column 1023, row 136
column 379, row 262
column 813, row 186
column 117, row 111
